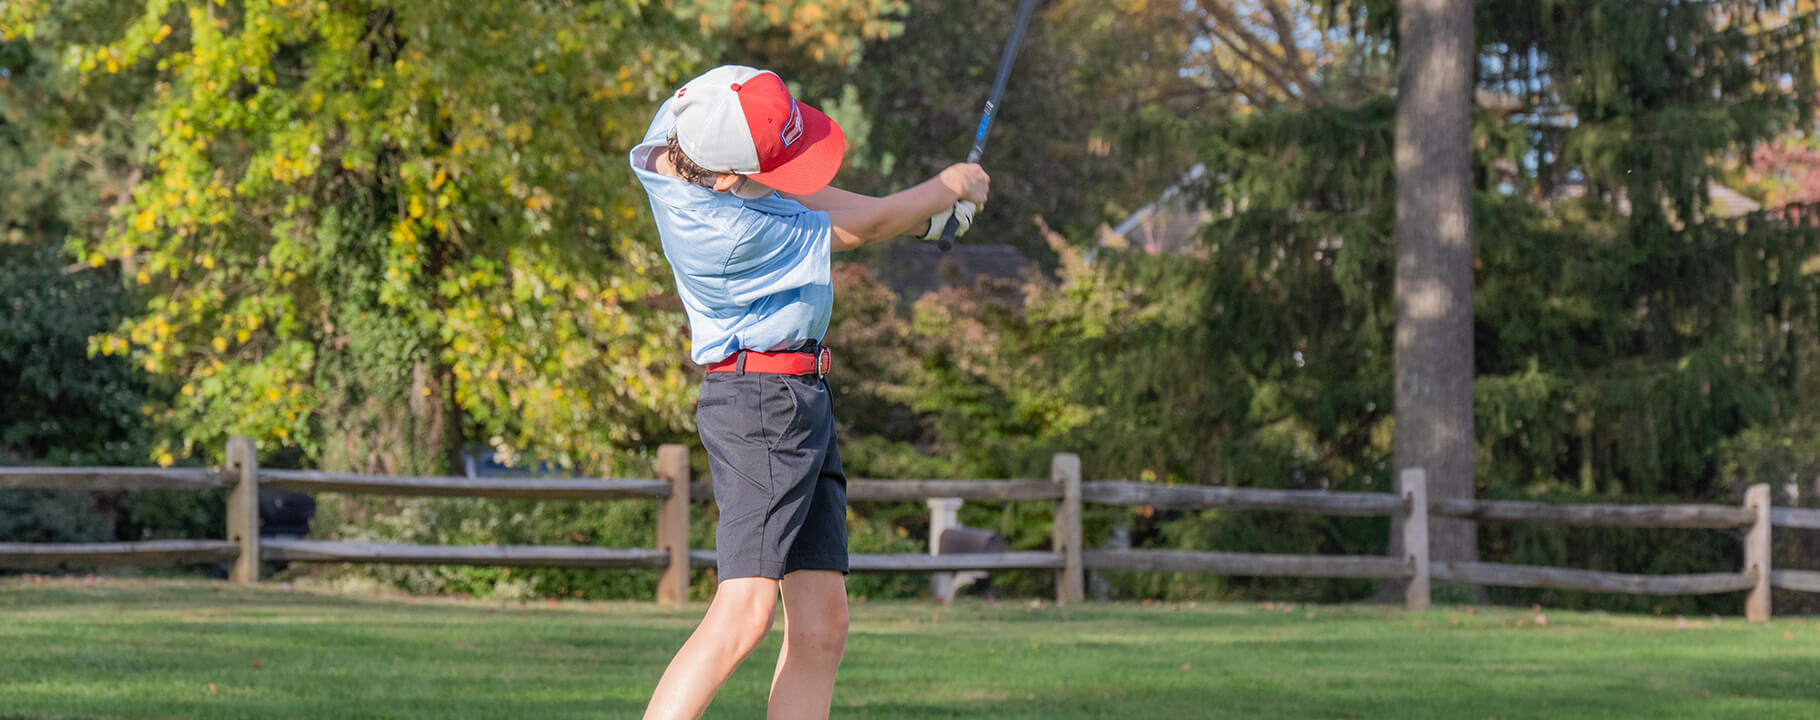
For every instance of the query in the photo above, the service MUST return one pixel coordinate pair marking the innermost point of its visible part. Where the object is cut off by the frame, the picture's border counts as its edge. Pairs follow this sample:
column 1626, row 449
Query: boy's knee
column 753, row 624
column 745, row 614
column 823, row 635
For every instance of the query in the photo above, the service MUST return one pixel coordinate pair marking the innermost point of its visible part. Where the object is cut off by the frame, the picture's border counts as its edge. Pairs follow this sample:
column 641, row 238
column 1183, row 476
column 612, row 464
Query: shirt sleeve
column 779, row 253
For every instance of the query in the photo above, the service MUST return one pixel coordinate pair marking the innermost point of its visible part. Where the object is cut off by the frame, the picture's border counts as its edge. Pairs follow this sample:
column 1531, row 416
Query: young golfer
column 738, row 175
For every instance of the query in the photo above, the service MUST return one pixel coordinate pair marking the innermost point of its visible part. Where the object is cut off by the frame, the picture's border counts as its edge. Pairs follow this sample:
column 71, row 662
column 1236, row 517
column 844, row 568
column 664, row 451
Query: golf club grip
column 947, row 241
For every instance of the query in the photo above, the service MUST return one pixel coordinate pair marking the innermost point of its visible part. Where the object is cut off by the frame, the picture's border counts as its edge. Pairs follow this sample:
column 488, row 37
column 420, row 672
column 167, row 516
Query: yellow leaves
column 404, row 233
column 243, row 336
column 208, row 262
column 377, row 84
column 808, row 13
column 220, row 344
column 96, row 260
column 165, row 459
column 142, row 278
column 145, row 221
column 540, row 68
column 416, row 206
column 188, row 390
column 442, row 176
column 272, row 394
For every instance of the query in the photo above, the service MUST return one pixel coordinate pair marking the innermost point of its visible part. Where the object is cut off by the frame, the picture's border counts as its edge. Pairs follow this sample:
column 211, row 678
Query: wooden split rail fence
column 244, row 548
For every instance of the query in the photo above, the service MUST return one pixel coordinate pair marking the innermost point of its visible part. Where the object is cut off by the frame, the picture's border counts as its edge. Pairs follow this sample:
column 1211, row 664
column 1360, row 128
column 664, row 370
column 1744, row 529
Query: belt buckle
column 824, row 361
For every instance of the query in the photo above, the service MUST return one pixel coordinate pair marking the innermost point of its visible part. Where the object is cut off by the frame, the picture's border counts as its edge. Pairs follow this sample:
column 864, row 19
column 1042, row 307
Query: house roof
column 1170, row 222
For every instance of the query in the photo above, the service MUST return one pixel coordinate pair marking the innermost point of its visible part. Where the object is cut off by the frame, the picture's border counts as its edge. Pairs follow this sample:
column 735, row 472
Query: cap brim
column 817, row 164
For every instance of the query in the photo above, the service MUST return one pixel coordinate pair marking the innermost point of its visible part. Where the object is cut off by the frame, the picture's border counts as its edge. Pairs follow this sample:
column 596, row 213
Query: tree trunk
column 1434, row 353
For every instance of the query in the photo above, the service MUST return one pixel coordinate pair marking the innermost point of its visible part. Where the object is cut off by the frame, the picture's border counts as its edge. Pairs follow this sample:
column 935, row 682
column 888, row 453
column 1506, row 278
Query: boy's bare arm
column 861, row 219
column 832, row 199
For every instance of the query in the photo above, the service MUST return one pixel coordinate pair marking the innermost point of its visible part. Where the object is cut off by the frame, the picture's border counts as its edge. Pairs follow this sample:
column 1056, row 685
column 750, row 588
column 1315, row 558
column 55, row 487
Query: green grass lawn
column 169, row 649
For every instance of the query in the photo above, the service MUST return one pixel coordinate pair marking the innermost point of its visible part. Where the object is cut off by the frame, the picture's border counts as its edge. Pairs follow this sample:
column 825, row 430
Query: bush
column 52, row 516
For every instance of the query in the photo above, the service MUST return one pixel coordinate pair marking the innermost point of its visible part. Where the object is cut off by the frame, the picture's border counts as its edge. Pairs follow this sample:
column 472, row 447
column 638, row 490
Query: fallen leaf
column 1186, row 667
column 1541, row 619
column 256, row 666
column 211, row 688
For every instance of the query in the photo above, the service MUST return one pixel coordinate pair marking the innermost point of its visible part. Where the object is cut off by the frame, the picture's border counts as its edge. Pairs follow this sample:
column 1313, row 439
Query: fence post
column 243, row 509
column 1756, row 552
column 1070, row 581
column 673, row 524
column 1414, row 489
column 944, row 513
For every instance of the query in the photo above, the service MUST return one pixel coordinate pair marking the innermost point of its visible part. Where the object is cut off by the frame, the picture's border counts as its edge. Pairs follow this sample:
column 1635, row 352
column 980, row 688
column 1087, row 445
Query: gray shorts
column 777, row 474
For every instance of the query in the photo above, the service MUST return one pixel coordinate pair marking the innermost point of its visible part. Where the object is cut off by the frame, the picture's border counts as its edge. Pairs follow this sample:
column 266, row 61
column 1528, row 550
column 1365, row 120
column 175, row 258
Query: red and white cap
column 738, row 119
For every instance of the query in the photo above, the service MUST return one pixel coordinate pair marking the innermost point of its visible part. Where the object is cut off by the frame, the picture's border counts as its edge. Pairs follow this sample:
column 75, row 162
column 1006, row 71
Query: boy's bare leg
column 738, row 619
column 815, row 636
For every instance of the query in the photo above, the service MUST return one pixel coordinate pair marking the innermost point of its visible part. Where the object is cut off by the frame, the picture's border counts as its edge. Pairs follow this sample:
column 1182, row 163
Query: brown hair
column 686, row 168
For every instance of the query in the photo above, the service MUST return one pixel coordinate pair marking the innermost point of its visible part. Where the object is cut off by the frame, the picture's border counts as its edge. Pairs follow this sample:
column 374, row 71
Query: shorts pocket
column 781, row 410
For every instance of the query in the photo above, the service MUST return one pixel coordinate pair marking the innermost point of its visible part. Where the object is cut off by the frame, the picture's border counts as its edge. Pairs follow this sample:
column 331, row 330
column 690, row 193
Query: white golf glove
column 962, row 211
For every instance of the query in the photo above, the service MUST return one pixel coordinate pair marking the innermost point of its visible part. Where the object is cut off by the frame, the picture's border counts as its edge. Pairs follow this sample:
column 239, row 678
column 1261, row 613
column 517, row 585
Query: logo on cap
column 793, row 128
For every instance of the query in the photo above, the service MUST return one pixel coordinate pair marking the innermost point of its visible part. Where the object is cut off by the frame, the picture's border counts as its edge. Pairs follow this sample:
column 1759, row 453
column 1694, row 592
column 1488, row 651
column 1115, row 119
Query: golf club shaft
column 998, row 92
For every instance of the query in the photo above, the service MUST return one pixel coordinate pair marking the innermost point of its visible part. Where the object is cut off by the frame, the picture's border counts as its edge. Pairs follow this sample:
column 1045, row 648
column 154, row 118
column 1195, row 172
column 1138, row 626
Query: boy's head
column 743, row 121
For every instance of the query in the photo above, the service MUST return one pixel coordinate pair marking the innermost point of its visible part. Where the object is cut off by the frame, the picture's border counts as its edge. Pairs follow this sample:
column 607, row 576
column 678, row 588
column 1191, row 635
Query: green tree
column 371, row 230
column 1626, row 334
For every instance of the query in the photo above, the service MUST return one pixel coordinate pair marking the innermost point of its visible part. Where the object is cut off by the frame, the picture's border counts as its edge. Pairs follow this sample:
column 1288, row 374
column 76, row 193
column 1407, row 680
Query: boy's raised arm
column 862, row 219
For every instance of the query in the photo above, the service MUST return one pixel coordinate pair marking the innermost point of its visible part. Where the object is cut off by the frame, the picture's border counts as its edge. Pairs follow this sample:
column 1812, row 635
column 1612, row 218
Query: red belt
column 794, row 362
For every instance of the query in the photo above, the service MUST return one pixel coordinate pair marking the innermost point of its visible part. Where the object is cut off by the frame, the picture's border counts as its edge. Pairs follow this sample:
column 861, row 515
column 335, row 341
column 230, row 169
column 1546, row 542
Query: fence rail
column 1488, row 573
column 1252, row 564
column 1632, row 516
column 1067, row 558
column 1795, row 518
column 557, row 556
column 1199, row 497
column 49, row 556
column 513, row 488
column 111, row 478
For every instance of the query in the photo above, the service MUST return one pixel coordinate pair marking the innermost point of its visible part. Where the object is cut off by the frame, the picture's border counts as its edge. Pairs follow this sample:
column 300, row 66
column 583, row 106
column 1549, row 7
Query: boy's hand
column 962, row 212
column 968, row 181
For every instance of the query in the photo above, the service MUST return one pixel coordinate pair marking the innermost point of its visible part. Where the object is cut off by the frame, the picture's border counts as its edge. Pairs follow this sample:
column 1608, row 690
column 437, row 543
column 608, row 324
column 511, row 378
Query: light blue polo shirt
column 753, row 274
